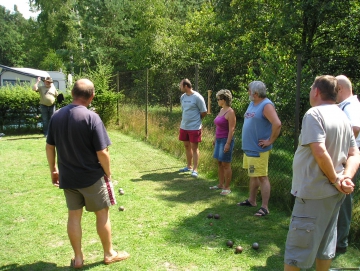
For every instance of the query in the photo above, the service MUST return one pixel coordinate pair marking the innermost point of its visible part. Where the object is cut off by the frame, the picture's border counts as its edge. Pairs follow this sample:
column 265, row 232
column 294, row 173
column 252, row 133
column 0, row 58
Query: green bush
column 106, row 99
column 19, row 109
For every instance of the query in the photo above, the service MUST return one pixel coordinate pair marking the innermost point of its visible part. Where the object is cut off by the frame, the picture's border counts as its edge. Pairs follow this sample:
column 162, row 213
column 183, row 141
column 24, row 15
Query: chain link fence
column 151, row 111
column 146, row 114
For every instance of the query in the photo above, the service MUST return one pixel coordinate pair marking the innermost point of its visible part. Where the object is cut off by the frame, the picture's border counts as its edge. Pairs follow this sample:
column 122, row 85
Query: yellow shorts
column 257, row 166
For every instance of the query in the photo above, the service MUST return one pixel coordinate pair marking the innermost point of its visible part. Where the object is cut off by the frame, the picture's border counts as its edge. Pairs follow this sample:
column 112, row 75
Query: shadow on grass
column 23, row 138
column 236, row 223
column 41, row 266
column 239, row 225
column 188, row 189
column 269, row 263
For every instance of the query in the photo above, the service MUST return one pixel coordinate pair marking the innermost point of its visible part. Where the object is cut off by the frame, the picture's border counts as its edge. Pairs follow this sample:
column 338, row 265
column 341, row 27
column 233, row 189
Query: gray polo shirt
column 192, row 106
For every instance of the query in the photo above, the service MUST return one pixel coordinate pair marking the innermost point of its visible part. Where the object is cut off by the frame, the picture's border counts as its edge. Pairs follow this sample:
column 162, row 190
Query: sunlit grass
column 164, row 226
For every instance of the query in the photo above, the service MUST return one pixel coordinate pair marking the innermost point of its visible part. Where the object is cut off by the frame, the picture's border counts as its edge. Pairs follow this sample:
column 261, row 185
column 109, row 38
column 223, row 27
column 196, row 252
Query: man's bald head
column 84, row 89
column 345, row 88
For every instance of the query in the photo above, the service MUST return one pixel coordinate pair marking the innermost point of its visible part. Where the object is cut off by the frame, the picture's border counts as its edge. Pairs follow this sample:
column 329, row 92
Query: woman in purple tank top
column 224, row 140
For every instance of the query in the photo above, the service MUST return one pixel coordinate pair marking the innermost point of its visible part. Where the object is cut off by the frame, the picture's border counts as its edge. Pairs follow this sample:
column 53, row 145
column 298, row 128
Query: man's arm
column 323, row 160
column 270, row 113
column 104, row 159
column 356, row 131
column 203, row 114
column 325, row 163
column 51, row 158
column 352, row 162
column 35, row 87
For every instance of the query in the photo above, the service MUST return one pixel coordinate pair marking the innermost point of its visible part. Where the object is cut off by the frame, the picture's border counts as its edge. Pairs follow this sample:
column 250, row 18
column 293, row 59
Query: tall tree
column 12, row 41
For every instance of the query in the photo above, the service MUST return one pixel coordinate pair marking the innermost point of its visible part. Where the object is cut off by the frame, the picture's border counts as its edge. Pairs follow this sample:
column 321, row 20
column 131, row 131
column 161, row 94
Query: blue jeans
column 344, row 219
column 46, row 113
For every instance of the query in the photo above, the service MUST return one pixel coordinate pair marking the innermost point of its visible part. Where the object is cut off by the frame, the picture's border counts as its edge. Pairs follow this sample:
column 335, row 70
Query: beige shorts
column 257, row 166
column 95, row 197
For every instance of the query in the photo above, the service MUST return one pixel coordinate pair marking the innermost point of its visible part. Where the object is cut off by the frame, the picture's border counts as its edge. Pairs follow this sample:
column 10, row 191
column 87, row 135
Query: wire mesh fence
column 159, row 121
column 151, row 111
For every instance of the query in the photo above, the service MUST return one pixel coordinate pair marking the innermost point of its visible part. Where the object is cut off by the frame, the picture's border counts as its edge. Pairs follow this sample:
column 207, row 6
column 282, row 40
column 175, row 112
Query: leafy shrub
column 19, row 108
column 106, row 99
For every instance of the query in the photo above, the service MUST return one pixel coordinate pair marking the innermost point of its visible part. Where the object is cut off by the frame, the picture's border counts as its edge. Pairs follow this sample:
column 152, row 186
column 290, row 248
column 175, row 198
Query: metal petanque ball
column 121, row 208
column 255, row 246
column 238, row 250
column 216, row 216
column 230, row 243
column 210, row 216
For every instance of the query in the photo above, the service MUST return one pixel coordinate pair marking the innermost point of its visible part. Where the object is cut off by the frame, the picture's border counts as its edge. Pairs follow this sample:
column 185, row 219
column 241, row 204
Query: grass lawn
column 164, row 225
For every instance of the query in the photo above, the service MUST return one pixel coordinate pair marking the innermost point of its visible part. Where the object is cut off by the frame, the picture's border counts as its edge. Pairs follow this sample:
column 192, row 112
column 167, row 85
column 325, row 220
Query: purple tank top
column 222, row 126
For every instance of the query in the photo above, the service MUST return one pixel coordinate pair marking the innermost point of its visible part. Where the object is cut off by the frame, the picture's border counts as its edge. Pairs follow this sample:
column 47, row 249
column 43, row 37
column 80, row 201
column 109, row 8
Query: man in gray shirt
column 193, row 111
column 324, row 163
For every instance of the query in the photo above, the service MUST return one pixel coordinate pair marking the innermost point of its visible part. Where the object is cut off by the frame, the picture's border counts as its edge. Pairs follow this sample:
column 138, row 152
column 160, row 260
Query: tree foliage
column 235, row 40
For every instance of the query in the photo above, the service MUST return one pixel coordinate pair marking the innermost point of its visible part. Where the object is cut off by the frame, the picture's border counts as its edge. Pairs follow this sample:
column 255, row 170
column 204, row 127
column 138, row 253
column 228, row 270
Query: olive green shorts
column 95, row 197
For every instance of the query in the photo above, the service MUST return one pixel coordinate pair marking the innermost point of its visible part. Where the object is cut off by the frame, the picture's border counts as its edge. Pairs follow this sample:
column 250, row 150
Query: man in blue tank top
column 260, row 129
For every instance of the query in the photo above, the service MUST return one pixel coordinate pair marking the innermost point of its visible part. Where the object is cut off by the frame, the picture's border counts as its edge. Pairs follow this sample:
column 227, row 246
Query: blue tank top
column 255, row 127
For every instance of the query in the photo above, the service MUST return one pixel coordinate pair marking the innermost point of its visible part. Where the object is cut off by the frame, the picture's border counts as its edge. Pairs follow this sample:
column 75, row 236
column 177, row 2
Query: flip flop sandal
column 185, row 169
column 262, row 212
column 73, row 265
column 120, row 256
column 215, row 187
column 245, row 203
column 225, row 192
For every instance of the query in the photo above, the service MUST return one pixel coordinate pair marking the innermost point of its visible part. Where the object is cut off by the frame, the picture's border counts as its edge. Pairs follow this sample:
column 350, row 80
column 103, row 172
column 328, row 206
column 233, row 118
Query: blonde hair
column 225, row 95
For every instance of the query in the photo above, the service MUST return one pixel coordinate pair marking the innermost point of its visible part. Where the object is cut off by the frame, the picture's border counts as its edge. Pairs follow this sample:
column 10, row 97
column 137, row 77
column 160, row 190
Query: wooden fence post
column 209, row 102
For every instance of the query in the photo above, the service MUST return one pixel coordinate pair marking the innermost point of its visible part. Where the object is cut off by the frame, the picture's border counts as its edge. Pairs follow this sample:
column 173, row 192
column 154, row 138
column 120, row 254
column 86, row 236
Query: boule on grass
column 255, row 246
column 210, row 216
column 216, row 216
column 121, row 208
column 238, row 250
column 230, row 243
column 121, row 192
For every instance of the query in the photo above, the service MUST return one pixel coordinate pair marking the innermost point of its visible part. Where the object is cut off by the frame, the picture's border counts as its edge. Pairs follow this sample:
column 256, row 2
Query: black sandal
column 245, row 203
column 262, row 212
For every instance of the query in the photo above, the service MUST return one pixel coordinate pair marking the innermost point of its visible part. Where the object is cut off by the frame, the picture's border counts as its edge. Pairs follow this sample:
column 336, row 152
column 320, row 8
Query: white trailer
column 14, row 76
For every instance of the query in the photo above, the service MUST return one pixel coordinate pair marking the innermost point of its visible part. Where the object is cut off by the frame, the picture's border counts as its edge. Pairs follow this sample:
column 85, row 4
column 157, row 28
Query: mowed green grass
column 164, row 225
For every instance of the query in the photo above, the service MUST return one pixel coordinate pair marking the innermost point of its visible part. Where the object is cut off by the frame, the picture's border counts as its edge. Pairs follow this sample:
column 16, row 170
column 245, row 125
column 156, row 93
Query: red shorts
column 193, row 136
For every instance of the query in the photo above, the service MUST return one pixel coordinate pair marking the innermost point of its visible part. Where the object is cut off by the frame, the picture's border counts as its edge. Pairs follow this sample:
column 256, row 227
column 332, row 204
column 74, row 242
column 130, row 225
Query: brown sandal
column 120, row 256
column 76, row 266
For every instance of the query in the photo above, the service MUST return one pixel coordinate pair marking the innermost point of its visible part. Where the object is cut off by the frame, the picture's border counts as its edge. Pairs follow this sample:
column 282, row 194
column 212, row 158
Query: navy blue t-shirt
column 77, row 133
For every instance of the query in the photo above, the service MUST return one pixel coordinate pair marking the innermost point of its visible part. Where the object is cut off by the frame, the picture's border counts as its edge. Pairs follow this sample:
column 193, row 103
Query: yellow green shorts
column 257, row 166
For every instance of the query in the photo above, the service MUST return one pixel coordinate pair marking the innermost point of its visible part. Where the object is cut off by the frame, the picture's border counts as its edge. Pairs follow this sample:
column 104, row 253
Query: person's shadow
column 40, row 266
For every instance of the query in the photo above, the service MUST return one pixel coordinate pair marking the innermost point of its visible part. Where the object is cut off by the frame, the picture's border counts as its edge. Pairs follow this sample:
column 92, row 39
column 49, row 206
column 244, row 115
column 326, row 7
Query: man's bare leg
column 323, row 265
column 253, row 187
column 189, row 154
column 290, row 268
column 265, row 191
column 195, row 154
column 75, row 233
